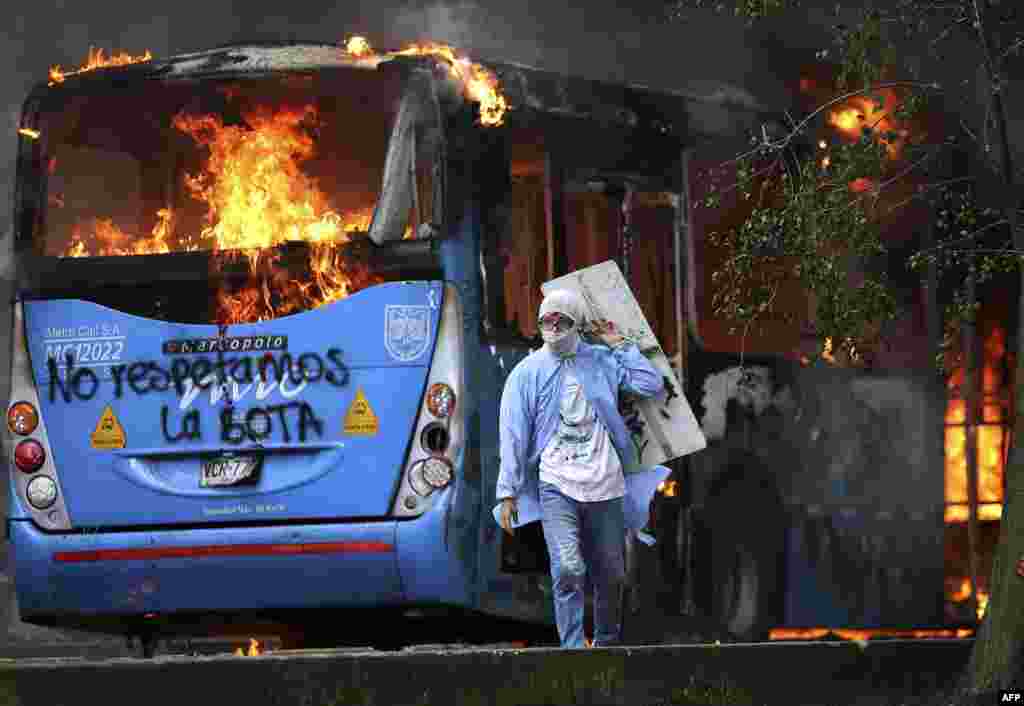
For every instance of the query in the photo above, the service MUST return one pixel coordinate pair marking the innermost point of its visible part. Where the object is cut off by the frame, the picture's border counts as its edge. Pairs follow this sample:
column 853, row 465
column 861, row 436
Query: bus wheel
column 746, row 544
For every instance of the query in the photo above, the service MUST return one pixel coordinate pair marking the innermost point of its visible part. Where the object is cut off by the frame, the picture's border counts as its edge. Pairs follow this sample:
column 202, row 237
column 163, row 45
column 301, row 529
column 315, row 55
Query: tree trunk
column 995, row 659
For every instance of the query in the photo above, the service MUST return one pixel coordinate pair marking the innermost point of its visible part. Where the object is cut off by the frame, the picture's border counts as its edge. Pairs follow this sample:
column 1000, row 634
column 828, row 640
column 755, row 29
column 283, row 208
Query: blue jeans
column 584, row 540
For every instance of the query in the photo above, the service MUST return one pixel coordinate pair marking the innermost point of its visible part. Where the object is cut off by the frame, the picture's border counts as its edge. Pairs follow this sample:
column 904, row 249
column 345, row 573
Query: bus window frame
column 34, row 270
column 563, row 175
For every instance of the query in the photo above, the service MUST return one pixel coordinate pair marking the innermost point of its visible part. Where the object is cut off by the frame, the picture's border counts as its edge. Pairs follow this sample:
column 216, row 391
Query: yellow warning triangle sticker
column 109, row 433
column 360, row 419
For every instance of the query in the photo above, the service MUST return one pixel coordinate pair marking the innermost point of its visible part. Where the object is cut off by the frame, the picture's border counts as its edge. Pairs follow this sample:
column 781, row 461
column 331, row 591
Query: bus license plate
column 230, row 470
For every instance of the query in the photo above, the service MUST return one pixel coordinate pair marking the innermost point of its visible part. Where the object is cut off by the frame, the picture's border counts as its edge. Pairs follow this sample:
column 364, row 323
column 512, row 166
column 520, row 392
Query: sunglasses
column 555, row 322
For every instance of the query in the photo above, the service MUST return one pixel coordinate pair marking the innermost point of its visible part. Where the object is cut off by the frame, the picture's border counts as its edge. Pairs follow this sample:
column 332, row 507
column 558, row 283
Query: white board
column 670, row 429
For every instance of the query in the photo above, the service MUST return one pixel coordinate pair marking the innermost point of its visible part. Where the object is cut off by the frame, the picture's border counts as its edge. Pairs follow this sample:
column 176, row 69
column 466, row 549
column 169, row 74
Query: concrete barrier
column 772, row 673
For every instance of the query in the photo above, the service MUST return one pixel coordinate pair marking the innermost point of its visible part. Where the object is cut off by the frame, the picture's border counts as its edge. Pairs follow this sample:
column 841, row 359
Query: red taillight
column 440, row 400
column 29, row 456
column 22, row 418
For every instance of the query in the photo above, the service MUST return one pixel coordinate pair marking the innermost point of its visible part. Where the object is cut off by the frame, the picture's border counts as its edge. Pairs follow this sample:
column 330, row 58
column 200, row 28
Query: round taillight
column 41, row 492
column 29, row 456
column 22, row 418
column 437, row 472
column 430, row 474
column 440, row 400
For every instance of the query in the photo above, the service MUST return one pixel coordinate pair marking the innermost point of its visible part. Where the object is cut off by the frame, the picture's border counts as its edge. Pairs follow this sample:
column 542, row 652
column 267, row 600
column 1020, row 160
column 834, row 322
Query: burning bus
column 267, row 297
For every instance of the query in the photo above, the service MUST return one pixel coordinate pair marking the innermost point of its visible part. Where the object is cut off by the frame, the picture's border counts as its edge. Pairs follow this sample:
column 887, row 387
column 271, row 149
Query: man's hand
column 509, row 514
column 607, row 332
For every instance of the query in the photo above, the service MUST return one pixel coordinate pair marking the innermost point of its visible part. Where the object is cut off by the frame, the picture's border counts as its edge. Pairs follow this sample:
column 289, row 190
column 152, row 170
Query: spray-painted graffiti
column 227, row 379
column 258, row 423
column 630, row 412
column 191, row 430
column 751, row 386
column 144, row 377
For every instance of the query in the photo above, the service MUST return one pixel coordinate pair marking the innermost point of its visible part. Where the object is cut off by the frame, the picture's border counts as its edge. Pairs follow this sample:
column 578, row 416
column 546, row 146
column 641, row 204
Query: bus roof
column 692, row 116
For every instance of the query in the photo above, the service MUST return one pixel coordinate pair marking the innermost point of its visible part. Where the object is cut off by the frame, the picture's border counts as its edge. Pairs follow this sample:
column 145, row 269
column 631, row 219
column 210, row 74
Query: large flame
column 257, row 198
column 97, row 60
column 479, row 83
column 255, row 191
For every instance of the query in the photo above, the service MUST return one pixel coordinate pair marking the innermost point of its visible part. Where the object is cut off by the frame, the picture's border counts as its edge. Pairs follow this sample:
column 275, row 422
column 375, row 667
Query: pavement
column 818, row 673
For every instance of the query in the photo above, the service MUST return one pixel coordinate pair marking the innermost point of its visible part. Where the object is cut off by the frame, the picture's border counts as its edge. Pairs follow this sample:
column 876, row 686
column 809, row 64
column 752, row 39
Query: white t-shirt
column 580, row 459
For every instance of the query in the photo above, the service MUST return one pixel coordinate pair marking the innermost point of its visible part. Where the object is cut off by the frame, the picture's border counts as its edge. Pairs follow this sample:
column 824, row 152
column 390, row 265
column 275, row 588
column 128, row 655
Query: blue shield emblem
column 406, row 331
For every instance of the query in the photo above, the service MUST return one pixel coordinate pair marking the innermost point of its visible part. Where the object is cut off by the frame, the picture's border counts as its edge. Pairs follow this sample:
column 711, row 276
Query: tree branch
column 1009, row 49
column 969, row 236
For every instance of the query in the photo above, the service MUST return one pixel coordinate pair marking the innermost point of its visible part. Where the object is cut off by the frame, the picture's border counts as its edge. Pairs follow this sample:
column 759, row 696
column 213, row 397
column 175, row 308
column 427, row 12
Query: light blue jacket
column 530, row 406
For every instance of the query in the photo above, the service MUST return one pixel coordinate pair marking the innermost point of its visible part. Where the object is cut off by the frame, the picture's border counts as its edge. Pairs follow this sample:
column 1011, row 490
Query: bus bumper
column 227, row 569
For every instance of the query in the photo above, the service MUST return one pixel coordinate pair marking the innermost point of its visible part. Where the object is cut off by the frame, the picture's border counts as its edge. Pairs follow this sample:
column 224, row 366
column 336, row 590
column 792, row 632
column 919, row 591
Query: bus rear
column 226, row 398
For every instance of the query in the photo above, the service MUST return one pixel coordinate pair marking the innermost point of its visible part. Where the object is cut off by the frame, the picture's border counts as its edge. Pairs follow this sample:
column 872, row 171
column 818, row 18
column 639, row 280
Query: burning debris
column 479, row 83
column 29, row 133
column 98, row 60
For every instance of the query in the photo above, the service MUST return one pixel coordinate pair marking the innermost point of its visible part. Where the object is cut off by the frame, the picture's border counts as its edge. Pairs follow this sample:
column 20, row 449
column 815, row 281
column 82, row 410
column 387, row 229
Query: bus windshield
column 268, row 176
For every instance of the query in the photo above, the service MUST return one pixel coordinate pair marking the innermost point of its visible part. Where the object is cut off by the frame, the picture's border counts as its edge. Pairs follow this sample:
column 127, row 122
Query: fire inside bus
column 267, row 299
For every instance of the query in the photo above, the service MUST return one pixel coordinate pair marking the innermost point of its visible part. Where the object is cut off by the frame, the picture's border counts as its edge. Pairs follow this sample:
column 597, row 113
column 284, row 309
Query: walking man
column 565, row 445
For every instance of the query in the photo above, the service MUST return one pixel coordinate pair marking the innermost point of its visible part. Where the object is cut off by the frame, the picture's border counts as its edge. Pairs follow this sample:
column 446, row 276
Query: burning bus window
column 992, row 439
column 244, row 171
column 994, row 405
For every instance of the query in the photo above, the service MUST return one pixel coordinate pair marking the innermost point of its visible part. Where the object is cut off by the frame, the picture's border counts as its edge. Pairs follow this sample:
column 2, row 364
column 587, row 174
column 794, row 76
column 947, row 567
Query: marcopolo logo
column 232, row 344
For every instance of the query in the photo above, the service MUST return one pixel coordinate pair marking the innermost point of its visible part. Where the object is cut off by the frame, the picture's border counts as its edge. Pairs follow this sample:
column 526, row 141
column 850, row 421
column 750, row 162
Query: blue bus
column 267, row 297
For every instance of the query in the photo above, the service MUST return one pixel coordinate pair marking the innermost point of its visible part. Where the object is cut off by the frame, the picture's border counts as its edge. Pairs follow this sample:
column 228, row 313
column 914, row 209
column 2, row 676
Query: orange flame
column 110, row 240
column 253, row 651
column 668, row 488
column 860, row 112
column 358, row 47
column 826, row 353
column 257, row 198
column 990, row 438
column 97, row 60
column 257, row 195
column 29, row 132
column 862, row 635
column 479, row 83
column 990, row 459
column 959, row 591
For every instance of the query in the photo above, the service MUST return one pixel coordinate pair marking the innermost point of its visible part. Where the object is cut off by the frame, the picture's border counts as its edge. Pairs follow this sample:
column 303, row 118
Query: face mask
column 561, row 343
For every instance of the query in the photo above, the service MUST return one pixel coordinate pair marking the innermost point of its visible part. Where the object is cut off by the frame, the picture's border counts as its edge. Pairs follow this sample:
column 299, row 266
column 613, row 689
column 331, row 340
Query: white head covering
column 567, row 303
